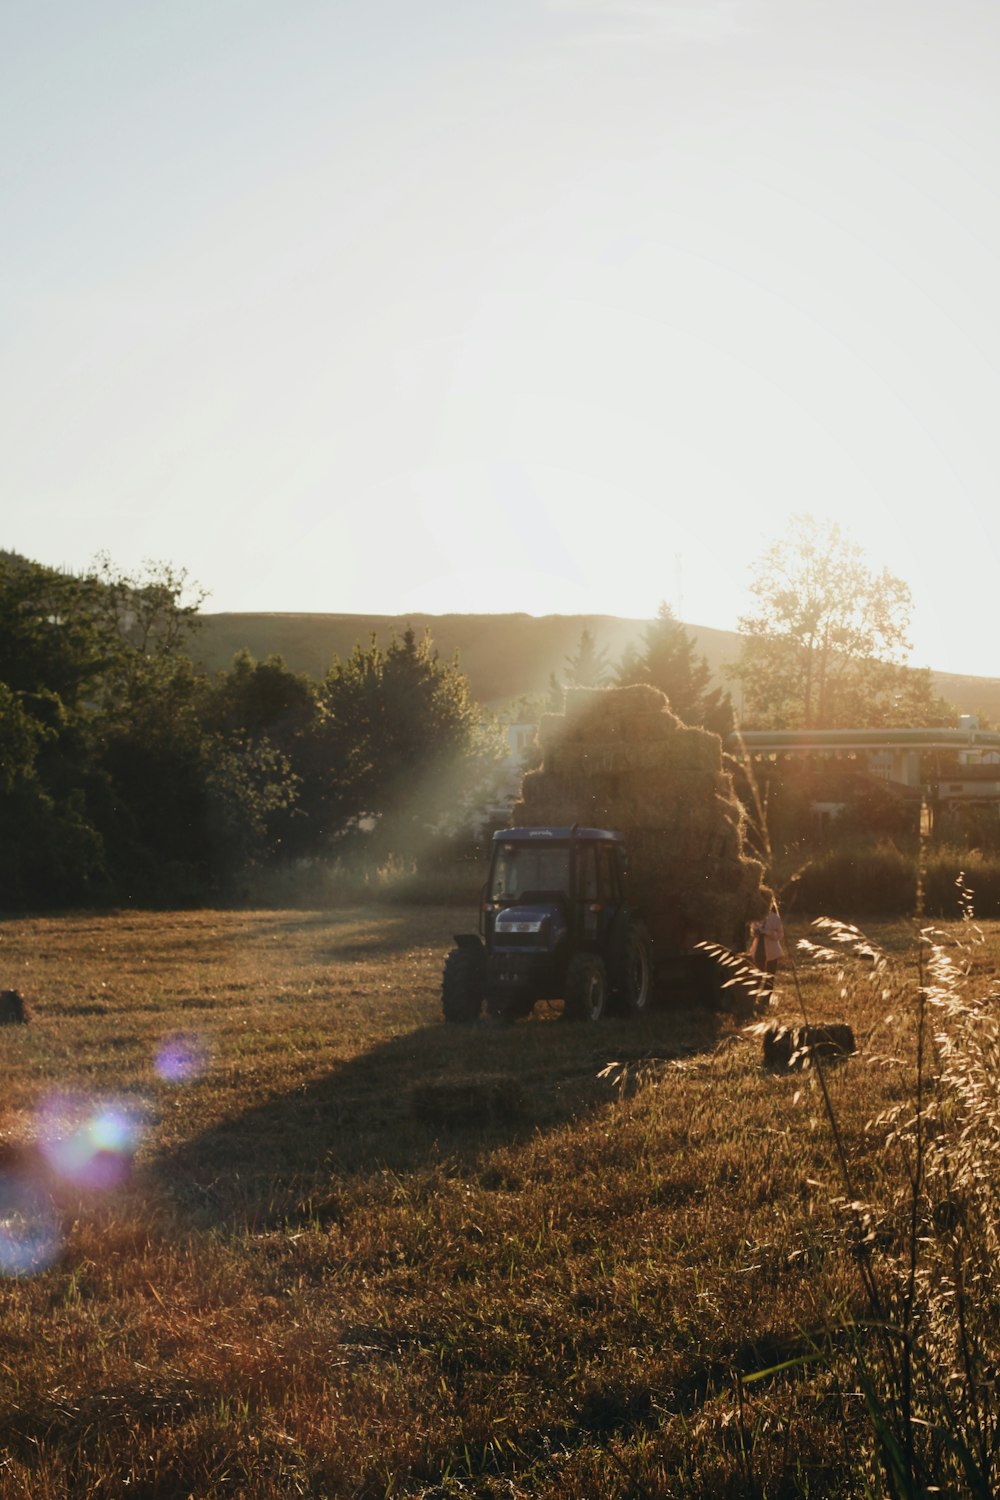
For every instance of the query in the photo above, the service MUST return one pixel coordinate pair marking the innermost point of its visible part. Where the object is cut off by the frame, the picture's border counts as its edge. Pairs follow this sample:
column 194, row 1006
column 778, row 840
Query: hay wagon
column 626, row 853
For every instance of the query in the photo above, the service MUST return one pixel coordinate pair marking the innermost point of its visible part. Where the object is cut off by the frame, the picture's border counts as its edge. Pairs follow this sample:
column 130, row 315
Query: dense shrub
column 973, row 826
column 870, row 880
column 945, row 865
column 881, row 880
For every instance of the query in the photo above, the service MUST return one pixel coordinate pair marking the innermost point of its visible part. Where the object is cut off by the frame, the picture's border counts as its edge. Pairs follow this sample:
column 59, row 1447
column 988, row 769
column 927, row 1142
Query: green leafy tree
column 91, row 639
column 49, row 848
column 668, row 659
column 272, row 714
column 52, row 659
column 112, row 779
column 50, row 638
column 262, row 699
column 250, row 790
column 826, row 644
column 406, row 745
column 21, row 734
column 146, row 622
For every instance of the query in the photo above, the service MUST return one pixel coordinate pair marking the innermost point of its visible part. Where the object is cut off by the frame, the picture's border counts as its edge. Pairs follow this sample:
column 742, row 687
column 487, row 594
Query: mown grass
column 364, row 1254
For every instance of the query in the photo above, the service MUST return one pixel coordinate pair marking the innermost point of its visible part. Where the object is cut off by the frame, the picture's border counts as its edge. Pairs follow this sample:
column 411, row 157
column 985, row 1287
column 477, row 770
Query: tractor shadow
column 437, row 1096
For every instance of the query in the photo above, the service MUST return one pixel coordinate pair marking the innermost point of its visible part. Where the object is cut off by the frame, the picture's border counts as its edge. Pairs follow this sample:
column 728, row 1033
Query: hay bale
column 646, row 755
column 789, row 1047
column 637, row 728
column 551, row 813
column 581, row 758
column 12, row 1008
column 613, row 704
column 540, row 786
column 618, row 758
column 551, row 730
column 729, row 808
column 697, row 750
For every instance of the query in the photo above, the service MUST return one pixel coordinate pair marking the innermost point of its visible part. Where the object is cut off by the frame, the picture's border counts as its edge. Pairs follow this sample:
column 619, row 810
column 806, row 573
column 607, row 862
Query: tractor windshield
column 521, row 870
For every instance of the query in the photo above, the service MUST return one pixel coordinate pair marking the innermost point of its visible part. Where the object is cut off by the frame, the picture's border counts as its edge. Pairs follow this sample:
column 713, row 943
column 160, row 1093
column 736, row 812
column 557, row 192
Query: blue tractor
column 556, row 923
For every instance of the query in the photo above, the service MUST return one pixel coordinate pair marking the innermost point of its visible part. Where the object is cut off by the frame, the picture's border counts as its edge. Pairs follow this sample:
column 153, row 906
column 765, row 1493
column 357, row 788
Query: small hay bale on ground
column 790, row 1047
column 13, row 1011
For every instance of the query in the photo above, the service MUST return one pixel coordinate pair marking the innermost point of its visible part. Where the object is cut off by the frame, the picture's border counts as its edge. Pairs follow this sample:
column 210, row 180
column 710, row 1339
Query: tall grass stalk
column 924, row 1347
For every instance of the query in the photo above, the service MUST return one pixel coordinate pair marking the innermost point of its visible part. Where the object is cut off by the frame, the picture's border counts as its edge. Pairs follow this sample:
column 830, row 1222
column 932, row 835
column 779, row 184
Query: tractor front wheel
column 463, row 984
column 586, row 988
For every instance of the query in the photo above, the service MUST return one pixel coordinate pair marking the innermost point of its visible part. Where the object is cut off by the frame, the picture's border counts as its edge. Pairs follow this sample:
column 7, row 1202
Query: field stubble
column 363, row 1254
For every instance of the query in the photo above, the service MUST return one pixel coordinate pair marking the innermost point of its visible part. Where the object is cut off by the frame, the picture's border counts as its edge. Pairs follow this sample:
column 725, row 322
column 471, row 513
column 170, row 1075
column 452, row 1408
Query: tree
column 405, row 744
column 669, row 660
column 250, row 789
column 51, row 662
column 50, row 638
column 113, row 781
column 43, row 842
column 588, row 667
column 629, row 667
column 825, row 646
column 264, row 716
column 145, row 621
column 261, row 699
column 20, row 735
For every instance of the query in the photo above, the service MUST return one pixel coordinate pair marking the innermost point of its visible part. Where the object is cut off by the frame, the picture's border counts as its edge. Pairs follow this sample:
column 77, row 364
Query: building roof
column 803, row 741
column 970, row 773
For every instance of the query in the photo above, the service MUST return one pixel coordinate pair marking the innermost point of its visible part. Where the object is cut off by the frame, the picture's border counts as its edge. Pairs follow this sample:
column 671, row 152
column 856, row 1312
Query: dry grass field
column 270, row 1228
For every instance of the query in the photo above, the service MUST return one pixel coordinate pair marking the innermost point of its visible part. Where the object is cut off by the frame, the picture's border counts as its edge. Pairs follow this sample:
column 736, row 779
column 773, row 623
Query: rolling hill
column 503, row 656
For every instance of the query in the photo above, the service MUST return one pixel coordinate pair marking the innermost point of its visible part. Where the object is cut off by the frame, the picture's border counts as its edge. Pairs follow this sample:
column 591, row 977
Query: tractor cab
column 555, row 923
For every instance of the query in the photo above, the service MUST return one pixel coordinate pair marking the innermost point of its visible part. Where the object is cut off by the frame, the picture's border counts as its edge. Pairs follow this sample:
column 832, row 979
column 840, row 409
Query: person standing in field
column 768, row 944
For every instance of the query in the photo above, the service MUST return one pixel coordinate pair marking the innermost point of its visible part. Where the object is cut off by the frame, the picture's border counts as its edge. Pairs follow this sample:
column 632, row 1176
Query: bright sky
column 548, row 305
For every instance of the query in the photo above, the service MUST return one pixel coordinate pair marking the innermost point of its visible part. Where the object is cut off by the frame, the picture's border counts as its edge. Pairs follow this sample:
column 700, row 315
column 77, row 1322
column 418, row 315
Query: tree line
column 126, row 774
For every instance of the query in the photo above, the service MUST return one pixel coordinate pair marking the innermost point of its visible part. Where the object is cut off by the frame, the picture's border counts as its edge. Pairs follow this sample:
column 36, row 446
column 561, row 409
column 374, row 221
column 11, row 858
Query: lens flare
column 181, row 1058
column 92, row 1145
column 30, row 1238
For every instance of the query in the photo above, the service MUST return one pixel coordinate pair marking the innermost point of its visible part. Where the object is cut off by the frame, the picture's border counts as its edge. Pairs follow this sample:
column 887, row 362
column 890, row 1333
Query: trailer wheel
column 632, row 968
column 586, row 988
column 463, row 984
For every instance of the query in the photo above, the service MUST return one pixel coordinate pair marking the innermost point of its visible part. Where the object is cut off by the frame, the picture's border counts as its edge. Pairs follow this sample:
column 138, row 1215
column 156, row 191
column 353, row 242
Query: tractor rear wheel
column 586, row 988
column 463, row 984
column 632, row 968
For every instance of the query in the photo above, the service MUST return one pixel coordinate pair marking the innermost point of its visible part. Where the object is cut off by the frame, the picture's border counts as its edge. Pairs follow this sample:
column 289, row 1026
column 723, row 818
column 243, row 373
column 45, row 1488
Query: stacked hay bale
column 618, row 758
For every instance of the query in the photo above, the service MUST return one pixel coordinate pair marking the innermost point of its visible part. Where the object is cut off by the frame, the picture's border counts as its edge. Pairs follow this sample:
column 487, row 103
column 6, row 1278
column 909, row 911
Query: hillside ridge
column 504, row 656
